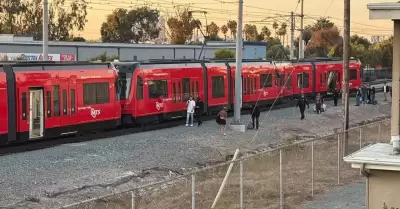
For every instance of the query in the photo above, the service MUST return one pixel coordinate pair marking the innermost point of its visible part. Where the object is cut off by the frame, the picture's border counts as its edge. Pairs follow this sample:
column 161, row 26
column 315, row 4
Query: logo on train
column 94, row 112
column 159, row 105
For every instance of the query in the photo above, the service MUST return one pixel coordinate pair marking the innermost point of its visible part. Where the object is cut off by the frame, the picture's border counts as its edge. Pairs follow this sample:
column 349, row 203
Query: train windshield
column 125, row 82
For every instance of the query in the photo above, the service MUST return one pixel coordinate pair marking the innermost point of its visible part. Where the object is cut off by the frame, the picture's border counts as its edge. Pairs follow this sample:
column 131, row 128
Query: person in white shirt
column 385, row 89
column 191, row 104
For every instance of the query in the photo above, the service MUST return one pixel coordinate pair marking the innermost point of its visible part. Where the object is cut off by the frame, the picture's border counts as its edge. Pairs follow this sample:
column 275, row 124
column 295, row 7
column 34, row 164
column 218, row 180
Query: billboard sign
column 39, row 57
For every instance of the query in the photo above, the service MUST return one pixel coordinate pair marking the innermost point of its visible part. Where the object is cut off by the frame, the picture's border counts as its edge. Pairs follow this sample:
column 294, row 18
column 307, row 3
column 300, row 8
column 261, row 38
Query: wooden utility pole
column 301, row 50
column 346, row 72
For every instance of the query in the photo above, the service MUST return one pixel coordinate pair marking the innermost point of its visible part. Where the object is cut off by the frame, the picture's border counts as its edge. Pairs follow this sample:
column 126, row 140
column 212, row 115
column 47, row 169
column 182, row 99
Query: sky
column 261, row 13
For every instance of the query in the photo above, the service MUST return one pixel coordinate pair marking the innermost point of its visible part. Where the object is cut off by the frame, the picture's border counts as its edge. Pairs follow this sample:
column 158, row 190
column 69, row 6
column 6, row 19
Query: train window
column 174, row 89
column 56, row 100
column 303, row 80
column 102, row 93
column 64, row 94
column 277, row 80
column 139, row 88
column 186, row 88
column 125, row 81
column 265, row 80
column 218, row 87
column 282, row 80
column 72, row 101
column 353, row 74
column 158, row 88
column 24, row 105
column 117, row 90
column 179, row 92
column 96, row 93
column 254, row 86
column 289, row 81
column 197, row 88
column 248, row 85
column 48, row 103
column 193, row 93
column 89, row 93
column 244, row 86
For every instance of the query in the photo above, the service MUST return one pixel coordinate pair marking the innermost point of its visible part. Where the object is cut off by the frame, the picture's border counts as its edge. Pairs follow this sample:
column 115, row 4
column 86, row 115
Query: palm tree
column 283, row 32
column 275, row 27
column 232, row 25
column 224, row 30
column 266, row 32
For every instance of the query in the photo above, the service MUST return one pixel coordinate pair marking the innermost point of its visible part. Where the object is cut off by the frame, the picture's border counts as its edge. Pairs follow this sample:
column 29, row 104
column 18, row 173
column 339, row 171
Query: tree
column 181, row 26
column 250, row 32
column 322, row 41
column 266, row 32
column 224, row 54
column 144, row 23
column 123, row 26
column 78, row 39
column 232, row 25
column 117, row 28
column 275, row 27
column 26, row 17
column 356, row 39
column 224, row 30
column 277, row 52
column 64, row 20
column 212, row 29
column 282, row 32
column 322, row 23
column 104, row 58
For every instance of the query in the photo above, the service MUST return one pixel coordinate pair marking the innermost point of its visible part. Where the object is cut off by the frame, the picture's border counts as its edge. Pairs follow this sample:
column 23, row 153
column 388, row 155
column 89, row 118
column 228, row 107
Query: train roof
column 52, row 65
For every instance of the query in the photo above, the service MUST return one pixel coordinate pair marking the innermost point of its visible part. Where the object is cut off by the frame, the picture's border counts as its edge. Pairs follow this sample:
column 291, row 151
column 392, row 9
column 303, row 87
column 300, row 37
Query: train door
column 36, row 108
column 72, row 102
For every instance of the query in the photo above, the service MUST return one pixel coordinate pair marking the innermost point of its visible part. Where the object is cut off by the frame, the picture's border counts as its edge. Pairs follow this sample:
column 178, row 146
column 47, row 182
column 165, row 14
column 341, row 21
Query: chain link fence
column 284, row 177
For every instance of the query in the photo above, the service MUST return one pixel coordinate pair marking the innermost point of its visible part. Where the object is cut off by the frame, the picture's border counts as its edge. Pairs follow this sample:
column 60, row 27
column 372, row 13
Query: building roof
column 384, row 11
column 114, row 45
column 375, row 157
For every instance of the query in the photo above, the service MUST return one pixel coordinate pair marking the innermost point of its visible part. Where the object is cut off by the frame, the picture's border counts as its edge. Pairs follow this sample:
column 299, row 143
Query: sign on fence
column 37, row 57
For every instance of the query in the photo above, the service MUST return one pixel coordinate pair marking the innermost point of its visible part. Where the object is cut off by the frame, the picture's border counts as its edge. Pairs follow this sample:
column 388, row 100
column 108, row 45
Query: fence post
column 241, row 184
column 338, row 159
column 360, row 137
column 379, row 131
column 312, row 169
column 280, row 180
column 193, row 191
column 133, row 206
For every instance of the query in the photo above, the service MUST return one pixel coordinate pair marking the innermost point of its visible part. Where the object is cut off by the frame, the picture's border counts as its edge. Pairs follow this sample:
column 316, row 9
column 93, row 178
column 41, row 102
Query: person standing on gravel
column 199, row 110
column 255, row 114
column 301, row 103
column 191, row 104
column 222, row 116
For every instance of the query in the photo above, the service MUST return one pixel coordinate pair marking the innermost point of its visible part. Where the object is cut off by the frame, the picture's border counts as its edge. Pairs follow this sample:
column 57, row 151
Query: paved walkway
column 348, row 197
column 61, row 175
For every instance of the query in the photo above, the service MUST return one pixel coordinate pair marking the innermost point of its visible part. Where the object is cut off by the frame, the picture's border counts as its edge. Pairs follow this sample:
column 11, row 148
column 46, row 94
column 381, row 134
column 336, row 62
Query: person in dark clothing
column 199, row 110
column 372, row 95
column 301, row 103
column 335, row 96
column 318, row 102
column 255, row 114
column 364, row 92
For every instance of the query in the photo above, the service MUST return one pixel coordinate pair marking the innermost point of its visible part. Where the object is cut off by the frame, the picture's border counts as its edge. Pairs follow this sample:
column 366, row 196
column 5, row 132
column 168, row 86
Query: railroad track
column 47, row 143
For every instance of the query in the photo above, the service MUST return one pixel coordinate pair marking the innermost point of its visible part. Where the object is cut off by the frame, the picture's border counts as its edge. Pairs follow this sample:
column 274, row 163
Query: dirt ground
column 261, row 178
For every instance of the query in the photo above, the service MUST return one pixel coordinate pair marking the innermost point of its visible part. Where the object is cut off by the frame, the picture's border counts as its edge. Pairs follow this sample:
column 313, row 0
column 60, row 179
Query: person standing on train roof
column 301, row 103
column 199, row 110
column 191, row 104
